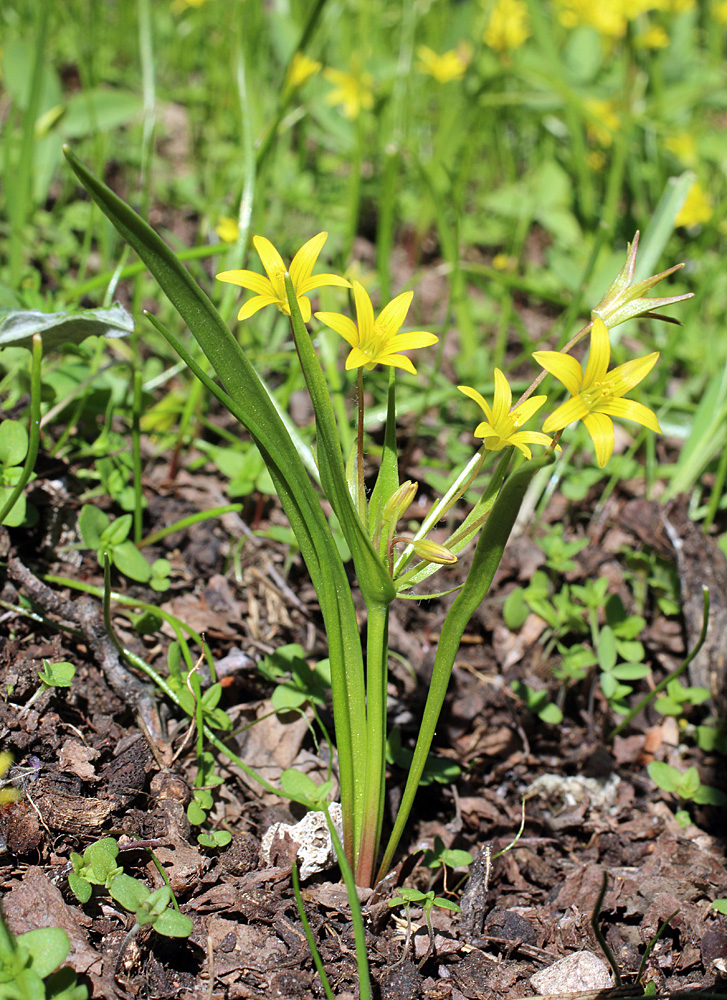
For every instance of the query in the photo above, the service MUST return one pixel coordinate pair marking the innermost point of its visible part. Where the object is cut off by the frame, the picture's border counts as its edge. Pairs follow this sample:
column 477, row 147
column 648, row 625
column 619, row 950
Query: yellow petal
column 622, row 379
column 531, row 437
column 393, row 315
column 364, row 312
column 629, row 409
column 479, row 399
column 600, row 427
column 252, row 305
column 357, row 359
column 320, row 281
column 411, row 341
column 573, row 409
column 305, row 308
column 272, row 262
column 524, row 411
column 396, row 361
column 247, row 279
column 565, row 368
column 305, row 260
column 342, row 325
column 599, row 355
column 502, row 400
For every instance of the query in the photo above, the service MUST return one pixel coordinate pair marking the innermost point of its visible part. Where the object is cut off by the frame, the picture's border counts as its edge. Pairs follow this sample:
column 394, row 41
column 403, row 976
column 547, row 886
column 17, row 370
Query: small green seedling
column 297, row 683
column 214, row 838
column 679, row 698
column 13, row 450
column 538, row 703
column 150, row 907
column 686, row 786
column 99, row 532
column 28, row 964
column 443, row 857
column 300, row 787
column 179, row 682
column 206, row 779
column 97, row 866
column 52, row 675
column 720, row 905
column 558, row 551
column 406, row 897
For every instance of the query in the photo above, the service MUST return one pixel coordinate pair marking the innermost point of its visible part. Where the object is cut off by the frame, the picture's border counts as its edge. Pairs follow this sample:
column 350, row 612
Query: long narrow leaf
column 294, row 487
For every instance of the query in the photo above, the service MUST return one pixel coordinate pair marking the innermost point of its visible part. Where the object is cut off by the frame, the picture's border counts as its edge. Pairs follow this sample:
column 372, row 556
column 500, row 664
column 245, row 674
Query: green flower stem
column 136, row 456
column 186, row 522
column 488, row 554
column 387, row 480
column 315, row 954
column 360, row 485
column 376, row 683
column 36, row 356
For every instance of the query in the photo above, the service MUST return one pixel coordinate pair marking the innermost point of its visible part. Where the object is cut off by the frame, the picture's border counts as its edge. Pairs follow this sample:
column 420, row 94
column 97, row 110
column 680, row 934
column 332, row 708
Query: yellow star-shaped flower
column 271, row 290
column 596, row 394
column 501, row 426
column 377, row 341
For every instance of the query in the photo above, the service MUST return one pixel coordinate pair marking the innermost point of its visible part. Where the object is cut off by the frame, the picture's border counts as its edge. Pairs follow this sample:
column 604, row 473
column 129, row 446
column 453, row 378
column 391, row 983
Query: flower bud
column 399, row 502
column 433, row 552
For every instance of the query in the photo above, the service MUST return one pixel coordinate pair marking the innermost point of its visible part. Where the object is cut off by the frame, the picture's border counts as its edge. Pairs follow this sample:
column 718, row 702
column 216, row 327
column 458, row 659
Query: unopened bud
column 433, row 552
column 400, row 501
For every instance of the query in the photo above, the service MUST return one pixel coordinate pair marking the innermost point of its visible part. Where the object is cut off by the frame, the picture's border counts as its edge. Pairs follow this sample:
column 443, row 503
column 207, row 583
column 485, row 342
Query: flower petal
column 357, row 359
column 600, row 427
column 479, row 399
column 364, row 313
column 272, row 262
column 565, row 368
column 247, row 279
column 393, row 315
column 305, row 308
column 524, row 411
column 502, row 400
column 410, row 341
column 599, row 355
column 342, row 325
column 305, row 260
column 573, row 409
column 622, row 379
column 258, row 302
column 321, row 280
column 396, row 361
column 630, row 409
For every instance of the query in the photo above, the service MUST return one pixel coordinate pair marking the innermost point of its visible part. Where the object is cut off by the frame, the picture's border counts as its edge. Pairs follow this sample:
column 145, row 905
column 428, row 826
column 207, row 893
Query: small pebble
column 573, row 974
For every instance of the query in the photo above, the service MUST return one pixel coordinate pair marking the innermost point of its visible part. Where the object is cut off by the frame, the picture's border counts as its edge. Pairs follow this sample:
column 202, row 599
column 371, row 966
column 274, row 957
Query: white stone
column 573, row 974
column 315, row 853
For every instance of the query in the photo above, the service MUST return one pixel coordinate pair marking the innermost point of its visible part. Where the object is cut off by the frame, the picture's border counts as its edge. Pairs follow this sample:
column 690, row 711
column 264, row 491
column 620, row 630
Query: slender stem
column 316, row 955
column 186, row 522
column 376, row 681
column 361, row 487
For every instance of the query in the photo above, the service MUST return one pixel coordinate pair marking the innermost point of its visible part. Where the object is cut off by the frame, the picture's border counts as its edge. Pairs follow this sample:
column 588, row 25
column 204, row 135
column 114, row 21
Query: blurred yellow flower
column 504, row 262
column 227, row 229
column 352, row 91
column 654, row 37
column 509, row 25
column 697, row 207
column 501, row 426
column 720, row 11
column 271, row 290
column 596, row 160
column 179, row 5
column 683, row 145
column 450, row 65
column 377, row 341
column 602, row 121
column 301, row 69
column 596, row 394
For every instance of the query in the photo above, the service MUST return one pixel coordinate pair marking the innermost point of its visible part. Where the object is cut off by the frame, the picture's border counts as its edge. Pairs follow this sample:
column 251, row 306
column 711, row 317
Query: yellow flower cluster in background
column 508, row 26
column 352, row 91
column 301, row 68
column 697, row 208
column 450, row 65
